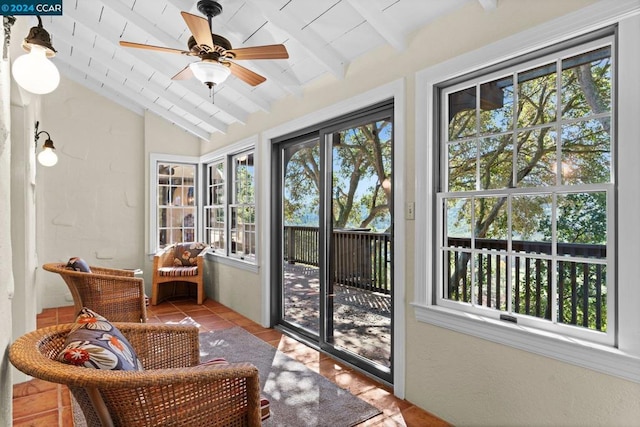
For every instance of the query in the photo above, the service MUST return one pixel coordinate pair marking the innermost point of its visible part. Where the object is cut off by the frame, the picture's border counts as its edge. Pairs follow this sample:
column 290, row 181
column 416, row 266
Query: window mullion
column 509, row 256
column 514, row 137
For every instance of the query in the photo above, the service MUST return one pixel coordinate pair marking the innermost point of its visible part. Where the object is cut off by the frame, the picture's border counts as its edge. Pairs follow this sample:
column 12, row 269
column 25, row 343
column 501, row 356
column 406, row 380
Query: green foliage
column 302, row 186
column 361, row 179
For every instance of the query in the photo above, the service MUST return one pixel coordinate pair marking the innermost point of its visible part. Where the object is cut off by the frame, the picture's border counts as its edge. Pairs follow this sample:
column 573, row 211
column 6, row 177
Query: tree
column 361, row 177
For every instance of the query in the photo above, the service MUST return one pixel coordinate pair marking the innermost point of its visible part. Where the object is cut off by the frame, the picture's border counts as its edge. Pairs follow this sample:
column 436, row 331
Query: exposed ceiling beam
column 82, row 78
column 390, row 31
column 272, row 72
column 185, row 5
column 144, row 24
column 488, row 5
column 317, row 48
column 136, row 78
column 107, row 90
column 244, row 91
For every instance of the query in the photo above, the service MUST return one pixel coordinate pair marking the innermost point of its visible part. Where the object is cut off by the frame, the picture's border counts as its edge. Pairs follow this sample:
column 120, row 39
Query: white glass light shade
column 210, row 72
column 35, row 73
column 47, row 157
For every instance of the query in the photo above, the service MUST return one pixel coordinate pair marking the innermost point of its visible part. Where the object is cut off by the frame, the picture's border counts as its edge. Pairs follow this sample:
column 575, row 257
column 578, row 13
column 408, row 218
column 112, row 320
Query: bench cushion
column 178, row 271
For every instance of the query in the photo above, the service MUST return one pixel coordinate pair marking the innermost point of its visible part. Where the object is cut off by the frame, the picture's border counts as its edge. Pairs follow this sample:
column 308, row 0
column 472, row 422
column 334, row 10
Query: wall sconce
column 35, row 72
column 47, row 157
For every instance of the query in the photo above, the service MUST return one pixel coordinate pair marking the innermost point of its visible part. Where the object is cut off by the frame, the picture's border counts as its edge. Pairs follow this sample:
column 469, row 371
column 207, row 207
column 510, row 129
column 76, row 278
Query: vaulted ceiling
column 321, row 36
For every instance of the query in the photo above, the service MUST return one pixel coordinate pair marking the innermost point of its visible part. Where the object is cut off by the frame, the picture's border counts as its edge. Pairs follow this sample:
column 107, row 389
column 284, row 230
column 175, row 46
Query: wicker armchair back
column 174, row 389
column 113, row 293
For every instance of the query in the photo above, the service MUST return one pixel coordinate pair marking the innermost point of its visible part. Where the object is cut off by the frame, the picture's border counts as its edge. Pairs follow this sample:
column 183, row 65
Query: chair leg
column 200, row 291
column 154, row 293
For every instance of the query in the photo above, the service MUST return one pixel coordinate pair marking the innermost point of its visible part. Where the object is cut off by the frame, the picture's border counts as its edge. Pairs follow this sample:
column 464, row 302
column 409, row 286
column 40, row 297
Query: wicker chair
column 115, row 294
column 172, row 390
column 178, row 264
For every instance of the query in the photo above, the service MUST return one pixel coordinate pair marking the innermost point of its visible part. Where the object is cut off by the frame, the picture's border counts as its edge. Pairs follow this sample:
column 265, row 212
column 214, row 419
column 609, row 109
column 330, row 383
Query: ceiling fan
column 215, row 52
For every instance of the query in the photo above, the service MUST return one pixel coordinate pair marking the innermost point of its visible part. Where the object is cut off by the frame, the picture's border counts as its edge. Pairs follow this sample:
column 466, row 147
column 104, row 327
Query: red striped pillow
column 215, row 361
column 265, row 412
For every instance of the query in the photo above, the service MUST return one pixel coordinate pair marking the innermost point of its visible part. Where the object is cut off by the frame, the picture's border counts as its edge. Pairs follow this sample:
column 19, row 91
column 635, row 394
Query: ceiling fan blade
column 199, row 27
column 246, row 75
column 184, row 74
column 272, row 51
column 151, row 47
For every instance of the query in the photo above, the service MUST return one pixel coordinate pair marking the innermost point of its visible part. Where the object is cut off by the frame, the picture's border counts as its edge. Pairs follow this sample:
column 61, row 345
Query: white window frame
column 235, row 205
column 226, row 155
column 509, row 193
column 621, row 357
column 154, row 159
column 209, row 189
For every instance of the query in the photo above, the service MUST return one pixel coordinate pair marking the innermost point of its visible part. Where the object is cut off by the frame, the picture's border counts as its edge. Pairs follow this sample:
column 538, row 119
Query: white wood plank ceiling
column 321, row 36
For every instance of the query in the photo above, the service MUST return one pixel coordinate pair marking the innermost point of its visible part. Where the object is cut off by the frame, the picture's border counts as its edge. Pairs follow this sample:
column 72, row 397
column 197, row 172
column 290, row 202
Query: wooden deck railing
column 581, row 285
column 361, row 258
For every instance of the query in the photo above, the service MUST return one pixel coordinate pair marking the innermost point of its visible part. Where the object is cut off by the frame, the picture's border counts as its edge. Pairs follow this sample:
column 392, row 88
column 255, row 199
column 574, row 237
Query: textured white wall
column 234, row 288
column 91, row 204
column 473, row 382
column 94, row 202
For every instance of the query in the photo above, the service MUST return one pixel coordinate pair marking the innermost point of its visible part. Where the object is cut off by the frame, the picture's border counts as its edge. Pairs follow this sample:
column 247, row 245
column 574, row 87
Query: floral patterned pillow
column 95, row 343
column 186, row 254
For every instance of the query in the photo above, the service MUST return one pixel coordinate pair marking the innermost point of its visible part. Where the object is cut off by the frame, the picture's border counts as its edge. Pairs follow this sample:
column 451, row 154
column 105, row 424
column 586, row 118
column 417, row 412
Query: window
column 230, row 216
column 215, row 229
column 526, row 199
column 176, row 212
column 564, row 235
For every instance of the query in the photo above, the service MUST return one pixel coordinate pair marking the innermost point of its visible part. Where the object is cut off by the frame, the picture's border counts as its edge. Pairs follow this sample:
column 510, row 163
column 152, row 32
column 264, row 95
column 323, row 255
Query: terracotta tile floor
column 38, row 403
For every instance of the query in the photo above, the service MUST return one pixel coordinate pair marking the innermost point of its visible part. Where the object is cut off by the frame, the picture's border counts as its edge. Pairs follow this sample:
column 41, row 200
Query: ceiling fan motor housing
column 218, row 41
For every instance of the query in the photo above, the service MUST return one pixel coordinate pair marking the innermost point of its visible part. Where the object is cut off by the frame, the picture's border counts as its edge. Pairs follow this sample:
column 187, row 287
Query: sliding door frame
column 396, row 91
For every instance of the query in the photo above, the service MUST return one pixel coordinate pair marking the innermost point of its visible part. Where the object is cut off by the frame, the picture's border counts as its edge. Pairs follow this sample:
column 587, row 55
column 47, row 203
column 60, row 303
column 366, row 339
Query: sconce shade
column 34, row 72
column 48, row 157
column 39, row 36
column 210, row 72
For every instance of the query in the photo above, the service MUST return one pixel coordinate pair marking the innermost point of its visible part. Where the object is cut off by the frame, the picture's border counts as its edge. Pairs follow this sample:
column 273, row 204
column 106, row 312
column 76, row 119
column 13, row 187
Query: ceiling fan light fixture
column 209, row 72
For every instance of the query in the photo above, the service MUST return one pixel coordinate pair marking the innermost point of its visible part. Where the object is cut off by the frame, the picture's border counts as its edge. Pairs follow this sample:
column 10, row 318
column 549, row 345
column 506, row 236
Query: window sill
column 599, row 358
column 233, row 262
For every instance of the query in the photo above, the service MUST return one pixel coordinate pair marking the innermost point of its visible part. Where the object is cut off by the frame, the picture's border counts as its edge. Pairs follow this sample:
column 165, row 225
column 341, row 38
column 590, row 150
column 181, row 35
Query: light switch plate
column 410, row 211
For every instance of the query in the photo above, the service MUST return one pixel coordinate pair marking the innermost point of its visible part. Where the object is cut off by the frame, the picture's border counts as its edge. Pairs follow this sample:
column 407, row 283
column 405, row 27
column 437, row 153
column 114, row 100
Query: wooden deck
column 362, row 318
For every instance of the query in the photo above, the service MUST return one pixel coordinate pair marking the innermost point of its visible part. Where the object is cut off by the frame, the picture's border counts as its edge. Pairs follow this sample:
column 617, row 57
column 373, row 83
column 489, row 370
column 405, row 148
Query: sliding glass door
column 300, row 212
column 334, row 193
